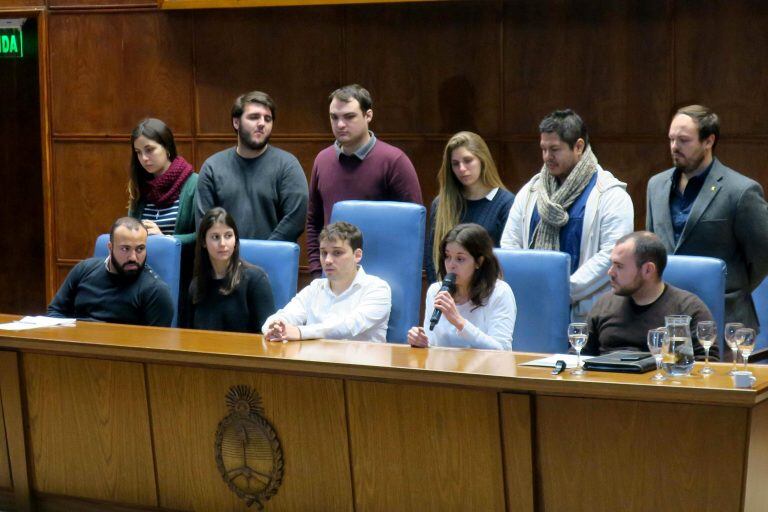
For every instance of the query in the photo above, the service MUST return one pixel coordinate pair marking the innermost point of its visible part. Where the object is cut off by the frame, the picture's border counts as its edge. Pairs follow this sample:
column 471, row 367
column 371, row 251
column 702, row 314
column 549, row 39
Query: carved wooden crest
column 248, row 451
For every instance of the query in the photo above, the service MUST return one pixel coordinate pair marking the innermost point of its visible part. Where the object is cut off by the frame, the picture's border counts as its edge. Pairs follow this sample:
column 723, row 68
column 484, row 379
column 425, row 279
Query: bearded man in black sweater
column 119, row 289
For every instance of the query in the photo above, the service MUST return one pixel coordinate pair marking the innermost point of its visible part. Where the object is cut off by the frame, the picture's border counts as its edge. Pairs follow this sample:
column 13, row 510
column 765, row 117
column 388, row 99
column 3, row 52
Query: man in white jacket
column 572, row 205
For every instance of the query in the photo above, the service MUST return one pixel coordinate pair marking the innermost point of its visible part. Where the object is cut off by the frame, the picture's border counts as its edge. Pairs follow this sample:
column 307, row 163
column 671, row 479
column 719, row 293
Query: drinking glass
column 730, row 333
column 745, row 339
column 577, row 337
column 706, row 332
column 656, row 339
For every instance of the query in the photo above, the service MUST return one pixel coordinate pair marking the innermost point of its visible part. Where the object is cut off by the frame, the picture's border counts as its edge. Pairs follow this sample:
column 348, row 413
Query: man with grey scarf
column 572, row 205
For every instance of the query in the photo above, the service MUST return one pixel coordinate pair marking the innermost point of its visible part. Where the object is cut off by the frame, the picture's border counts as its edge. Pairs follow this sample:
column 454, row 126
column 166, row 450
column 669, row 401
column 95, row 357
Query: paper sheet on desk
column 34, row 322
column 549, row 362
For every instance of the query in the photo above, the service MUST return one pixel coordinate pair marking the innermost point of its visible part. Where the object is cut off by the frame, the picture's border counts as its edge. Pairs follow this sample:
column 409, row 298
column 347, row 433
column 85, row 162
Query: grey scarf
column 553, row 202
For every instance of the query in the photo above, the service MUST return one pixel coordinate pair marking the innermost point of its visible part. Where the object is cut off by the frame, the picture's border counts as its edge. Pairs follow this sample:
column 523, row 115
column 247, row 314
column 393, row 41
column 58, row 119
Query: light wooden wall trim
column 82, row 6
column 239, row 4
column 49, row 222
column 13, row 417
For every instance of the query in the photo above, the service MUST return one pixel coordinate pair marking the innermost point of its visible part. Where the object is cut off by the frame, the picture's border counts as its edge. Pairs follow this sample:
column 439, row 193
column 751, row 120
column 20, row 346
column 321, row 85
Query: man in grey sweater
column 263, row 187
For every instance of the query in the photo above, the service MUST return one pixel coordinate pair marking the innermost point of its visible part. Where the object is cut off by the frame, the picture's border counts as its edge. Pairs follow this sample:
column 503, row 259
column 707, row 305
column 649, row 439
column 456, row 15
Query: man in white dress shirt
column 346, row 304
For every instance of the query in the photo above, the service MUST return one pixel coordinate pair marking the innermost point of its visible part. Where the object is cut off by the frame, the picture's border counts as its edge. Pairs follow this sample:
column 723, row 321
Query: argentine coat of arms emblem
column 248, row 452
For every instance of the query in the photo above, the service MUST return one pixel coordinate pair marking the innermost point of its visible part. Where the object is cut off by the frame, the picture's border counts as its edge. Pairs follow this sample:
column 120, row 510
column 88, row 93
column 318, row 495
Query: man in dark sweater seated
column 119, row 289
column 621, row 319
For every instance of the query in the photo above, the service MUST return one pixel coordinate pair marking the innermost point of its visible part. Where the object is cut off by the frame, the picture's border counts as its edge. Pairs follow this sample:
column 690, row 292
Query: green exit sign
column 11, row 42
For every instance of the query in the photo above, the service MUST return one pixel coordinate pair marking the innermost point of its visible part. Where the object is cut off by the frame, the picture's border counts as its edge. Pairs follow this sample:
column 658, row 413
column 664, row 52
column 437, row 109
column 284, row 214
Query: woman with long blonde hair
column 470, row 191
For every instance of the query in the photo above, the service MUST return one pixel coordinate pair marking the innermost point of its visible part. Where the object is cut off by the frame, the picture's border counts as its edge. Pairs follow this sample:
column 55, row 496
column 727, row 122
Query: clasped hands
column 281, row 331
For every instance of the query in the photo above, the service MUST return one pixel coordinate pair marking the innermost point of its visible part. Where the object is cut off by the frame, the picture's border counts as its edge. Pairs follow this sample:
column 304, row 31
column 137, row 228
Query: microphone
column 449, row 285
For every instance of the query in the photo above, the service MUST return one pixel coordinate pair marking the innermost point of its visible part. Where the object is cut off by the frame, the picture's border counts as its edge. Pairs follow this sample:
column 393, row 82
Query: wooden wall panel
column 521, row 160
column 748, row 157
column 717, row 44
column 90, row 180
column 583, row 443
column 108, row 71
column 431, row 68
column 494, row 66
column 634, row 163
column 424, row 448
column 307, row 414
column 426, row 156
column 291, row 54
column 610, row 62
column 89, row 430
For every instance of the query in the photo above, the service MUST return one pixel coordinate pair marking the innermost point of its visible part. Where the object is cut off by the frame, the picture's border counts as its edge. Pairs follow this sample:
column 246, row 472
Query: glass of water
column 656, row 339
column 745, row 339
column 577, row 337
column 706, row 332
column 730, row 339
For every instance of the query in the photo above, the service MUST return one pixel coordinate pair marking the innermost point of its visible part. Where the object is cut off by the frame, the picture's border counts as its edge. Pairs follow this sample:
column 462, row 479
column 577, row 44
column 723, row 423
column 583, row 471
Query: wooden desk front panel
column 598, row 454
column 306, row 412
column 89, row 430
column 417, row 448
column 5, row 467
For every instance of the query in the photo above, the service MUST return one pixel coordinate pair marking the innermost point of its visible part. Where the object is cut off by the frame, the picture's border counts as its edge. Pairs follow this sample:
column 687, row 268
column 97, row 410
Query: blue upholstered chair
column 704, row 277
column 280, row 260
column 760, row 297
column 540, row 281
column 393, row 249
column 164, row 256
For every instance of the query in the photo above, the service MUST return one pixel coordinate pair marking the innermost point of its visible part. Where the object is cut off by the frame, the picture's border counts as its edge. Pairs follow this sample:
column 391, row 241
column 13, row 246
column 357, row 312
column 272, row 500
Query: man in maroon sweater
column 356, row 166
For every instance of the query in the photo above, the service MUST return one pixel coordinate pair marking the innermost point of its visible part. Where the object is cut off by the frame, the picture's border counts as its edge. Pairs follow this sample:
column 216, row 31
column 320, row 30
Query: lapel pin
column 713, row 188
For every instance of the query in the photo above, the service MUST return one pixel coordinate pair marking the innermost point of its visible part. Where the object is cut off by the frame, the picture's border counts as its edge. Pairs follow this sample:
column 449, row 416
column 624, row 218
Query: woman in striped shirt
column 162, row 184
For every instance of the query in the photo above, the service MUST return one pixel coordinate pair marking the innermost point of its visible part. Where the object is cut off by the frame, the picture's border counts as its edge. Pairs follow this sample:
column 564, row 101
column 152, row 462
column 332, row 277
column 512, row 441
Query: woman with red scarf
column 162, row 184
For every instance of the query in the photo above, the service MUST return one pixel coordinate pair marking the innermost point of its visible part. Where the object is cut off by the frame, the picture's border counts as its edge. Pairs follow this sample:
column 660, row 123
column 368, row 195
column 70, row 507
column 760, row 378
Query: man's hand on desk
column 281, row 331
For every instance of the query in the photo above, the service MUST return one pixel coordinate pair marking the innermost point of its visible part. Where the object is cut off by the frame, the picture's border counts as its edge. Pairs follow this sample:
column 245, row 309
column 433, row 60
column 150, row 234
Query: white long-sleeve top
column 608, row 216
column 490, row 326
column 361, row 312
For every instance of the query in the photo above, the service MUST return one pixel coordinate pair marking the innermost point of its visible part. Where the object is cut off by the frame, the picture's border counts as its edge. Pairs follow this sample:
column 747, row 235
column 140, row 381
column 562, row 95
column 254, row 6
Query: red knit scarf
column 162, row 191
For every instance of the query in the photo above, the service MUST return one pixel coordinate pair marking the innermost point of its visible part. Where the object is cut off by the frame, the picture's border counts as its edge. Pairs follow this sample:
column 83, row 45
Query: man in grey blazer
column 701, row 207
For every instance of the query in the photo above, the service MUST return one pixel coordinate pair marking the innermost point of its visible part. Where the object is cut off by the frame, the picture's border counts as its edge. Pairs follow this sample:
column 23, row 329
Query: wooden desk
column 107, row 417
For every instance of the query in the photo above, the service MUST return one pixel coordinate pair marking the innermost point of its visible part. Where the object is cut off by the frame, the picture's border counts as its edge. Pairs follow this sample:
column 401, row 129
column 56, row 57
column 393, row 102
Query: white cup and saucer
column 743, row 379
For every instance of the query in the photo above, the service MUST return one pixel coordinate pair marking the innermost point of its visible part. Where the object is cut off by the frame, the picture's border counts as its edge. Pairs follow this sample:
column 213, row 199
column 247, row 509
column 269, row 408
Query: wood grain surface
column 517, row 435
column 307, row 414
column 418, row 448
column 638, row 456
column 89, row 430
column 5, row 465
column 486, row 369
column 16, row 443
column 756, row 492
